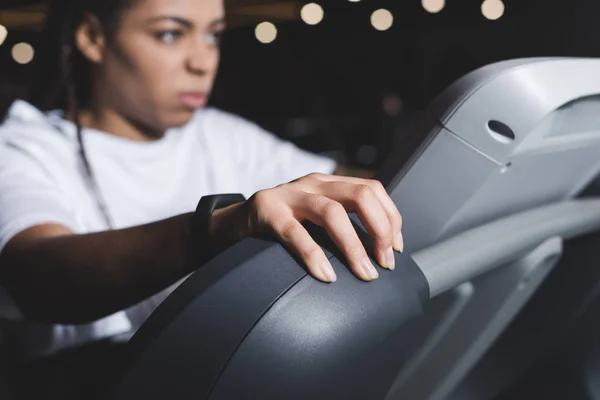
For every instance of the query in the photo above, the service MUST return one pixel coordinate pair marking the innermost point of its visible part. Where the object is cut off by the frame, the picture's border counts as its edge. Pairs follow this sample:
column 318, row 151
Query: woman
column 96, row 200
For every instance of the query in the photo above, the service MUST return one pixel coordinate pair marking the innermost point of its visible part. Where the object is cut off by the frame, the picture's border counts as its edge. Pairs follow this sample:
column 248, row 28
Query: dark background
column 323, row 86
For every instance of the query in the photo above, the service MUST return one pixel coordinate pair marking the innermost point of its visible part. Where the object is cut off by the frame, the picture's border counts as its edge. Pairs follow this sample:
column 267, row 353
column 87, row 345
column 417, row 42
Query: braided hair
column 63, row 75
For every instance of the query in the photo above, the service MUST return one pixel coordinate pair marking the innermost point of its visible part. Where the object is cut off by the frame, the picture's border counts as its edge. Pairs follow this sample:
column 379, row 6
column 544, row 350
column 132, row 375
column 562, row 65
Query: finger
column 295, row 237
column 386, row 201
column 392, row 212
column 332, row 216
column 362, row 200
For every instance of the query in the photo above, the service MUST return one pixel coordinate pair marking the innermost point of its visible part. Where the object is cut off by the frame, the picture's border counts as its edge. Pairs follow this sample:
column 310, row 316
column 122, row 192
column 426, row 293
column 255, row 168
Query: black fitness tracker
column 202, row 248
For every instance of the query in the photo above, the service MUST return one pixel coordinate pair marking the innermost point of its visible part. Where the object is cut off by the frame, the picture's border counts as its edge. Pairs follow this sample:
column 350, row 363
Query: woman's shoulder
column 24, row 120
column 26, row 129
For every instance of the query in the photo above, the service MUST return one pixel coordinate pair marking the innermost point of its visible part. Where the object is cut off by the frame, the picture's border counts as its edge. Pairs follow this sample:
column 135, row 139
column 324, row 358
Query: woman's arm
column 56, row 276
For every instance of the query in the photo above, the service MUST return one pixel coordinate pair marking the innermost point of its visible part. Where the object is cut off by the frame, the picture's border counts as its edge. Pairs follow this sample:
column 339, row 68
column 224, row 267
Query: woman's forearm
column 80, row 278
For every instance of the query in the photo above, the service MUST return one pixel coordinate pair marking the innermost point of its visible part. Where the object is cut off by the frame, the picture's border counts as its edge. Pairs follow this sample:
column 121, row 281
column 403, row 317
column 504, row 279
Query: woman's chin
column 180, row 118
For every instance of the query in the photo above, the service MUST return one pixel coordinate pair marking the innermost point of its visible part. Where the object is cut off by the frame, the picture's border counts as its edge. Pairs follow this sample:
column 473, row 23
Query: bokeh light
column 22, row 53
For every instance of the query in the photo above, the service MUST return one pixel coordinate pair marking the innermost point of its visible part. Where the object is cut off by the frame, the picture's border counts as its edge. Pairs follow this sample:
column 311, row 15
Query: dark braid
column 73, row 107
column 63, row 79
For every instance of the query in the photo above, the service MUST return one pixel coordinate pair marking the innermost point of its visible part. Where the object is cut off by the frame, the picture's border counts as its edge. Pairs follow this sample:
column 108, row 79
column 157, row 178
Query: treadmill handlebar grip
column 479, row 250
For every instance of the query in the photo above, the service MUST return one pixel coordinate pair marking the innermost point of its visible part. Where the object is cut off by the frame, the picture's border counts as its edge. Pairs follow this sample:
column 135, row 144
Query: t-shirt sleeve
column 28, row 195
column 268, row 161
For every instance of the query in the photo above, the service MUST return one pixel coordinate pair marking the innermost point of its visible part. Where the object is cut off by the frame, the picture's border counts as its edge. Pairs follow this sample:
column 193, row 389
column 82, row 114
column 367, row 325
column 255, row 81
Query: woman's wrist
column 228, row 226
column 215, row 225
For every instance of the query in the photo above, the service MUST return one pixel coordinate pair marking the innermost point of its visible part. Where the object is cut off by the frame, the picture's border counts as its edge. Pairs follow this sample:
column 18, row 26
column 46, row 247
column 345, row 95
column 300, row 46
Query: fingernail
column 370, row 269
column 328, row 272
column 390, row 259
column 399, row 243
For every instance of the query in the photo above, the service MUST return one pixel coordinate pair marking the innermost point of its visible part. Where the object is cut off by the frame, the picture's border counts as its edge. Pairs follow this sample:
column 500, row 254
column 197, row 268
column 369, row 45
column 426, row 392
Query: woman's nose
column 203, row 57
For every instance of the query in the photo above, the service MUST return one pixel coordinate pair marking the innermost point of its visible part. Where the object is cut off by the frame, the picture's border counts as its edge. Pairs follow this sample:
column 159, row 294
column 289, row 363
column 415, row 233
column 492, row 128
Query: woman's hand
column 325, row 200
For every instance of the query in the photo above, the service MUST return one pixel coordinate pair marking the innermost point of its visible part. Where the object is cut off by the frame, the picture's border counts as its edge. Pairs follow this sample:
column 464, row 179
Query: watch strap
column 201, row 235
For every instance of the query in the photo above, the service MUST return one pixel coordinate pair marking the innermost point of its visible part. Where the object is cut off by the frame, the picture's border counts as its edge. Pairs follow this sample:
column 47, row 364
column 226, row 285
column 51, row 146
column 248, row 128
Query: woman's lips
column 193, row 99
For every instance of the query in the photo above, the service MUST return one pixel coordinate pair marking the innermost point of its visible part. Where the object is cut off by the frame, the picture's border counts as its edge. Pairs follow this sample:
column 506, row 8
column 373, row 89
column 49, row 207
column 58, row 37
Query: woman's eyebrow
column 185, row 22
column 217, row 22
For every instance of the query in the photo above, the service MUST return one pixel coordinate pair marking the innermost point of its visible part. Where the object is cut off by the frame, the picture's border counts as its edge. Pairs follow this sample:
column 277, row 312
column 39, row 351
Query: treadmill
column 488, row 190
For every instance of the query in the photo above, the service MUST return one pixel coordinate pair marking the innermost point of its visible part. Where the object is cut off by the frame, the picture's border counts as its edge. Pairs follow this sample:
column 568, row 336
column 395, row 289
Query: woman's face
column 161, row 63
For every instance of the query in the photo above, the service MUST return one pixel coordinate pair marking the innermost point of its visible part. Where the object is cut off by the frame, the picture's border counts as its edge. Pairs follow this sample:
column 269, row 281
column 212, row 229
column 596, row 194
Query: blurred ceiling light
column 3, row 34
column 353, row 1
column 433, row 6
column 265, row 32
column 22, row 53
column 382, row 19
column 392, row 105
column 492, row 9
column 312, row 13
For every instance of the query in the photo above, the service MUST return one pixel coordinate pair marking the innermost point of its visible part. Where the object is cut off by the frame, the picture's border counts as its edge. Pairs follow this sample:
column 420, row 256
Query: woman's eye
column 168, row 37
column 214, row 38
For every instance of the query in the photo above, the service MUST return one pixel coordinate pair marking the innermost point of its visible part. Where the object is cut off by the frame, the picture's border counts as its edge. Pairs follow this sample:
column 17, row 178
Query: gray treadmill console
column 251, row 324
column 505, row 138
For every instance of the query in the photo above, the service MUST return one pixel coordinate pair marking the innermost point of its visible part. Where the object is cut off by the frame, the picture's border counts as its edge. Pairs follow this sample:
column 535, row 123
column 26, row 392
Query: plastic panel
column 439, row 318
column 497, row 297
column 430, row 198
column 180, row 352
column 462, row 158
column 482, row 249
column 320, row 341
column 522, row 98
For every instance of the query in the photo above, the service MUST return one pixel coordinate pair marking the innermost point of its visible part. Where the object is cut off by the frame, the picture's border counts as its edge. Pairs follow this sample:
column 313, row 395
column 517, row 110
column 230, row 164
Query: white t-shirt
column 42, row 181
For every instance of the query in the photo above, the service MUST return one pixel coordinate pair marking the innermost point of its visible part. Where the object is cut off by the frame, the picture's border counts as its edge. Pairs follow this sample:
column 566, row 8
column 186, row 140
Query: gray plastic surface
column 451, row 99
column 462, row 174
column 552, row 321
column 506, row 260
column 252, row 324
column 439, row 318
column 465, row 336
column 341, row 341
column 479, row 250
column 219, row 305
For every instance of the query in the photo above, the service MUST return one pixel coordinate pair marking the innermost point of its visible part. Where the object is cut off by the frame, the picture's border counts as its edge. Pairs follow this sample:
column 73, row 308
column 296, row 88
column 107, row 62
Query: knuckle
column 376, row 185
column 382, row 235
column 316, row 201
column 363, row 193
column 384, row 241
column 312, row 252
column 262, row 199
column 309, row 179
column 307, row 185
column 314, row 175
column 331, row 210
column 356, row 251
column 304, row 182
column 289, row 230
column 265, row 207
column 300, row 180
